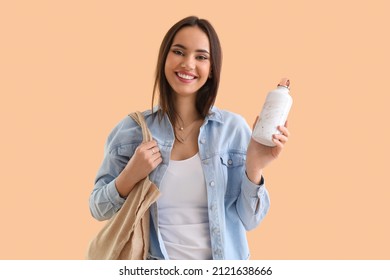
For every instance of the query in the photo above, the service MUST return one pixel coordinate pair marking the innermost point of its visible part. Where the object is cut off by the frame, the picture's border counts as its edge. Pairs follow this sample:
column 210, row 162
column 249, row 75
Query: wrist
column 125, row 183
column 254, row 176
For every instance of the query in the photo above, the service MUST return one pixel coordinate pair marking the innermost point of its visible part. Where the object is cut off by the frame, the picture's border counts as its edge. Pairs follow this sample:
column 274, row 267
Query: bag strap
column 139, row 118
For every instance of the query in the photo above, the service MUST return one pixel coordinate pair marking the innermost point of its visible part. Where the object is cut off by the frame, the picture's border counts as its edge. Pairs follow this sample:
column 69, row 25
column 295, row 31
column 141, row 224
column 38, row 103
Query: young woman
column 203, row 160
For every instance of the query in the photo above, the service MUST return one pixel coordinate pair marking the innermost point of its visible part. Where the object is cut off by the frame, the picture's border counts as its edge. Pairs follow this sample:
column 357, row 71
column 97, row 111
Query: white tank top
column 182, row 211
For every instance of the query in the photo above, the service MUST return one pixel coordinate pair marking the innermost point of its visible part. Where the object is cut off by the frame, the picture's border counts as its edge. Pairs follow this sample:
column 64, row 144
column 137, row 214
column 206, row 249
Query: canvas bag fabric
column 126, row 235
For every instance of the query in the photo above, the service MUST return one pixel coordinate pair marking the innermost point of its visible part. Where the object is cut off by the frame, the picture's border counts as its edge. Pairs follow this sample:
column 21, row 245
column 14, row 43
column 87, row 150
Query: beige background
column 70, row 70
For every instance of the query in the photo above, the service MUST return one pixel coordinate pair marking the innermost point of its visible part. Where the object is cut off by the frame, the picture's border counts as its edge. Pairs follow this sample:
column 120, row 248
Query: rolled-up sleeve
column 253, row 203
column 105, row 200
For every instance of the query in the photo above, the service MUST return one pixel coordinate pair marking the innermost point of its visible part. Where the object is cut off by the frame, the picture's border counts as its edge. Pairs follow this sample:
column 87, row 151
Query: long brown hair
column 208, row 92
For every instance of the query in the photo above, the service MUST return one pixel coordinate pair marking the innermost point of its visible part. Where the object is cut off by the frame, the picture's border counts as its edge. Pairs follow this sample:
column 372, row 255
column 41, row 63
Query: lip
column 184, row 80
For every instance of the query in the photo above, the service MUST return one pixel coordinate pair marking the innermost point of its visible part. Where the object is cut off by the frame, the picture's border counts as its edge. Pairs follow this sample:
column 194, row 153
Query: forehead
column 192, row 37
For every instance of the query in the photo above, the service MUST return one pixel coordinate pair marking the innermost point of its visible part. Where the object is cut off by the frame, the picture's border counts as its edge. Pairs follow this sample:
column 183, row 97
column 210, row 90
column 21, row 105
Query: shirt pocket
column 126, row 151
column 233, row 165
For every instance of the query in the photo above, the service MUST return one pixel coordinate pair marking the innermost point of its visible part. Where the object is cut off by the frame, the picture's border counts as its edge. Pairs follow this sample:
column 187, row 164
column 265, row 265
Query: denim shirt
column 235, row 204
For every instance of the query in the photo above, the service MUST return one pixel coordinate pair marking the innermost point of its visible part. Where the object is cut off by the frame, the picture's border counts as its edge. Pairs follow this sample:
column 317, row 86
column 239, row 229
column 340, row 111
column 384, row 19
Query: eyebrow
column 184, row 48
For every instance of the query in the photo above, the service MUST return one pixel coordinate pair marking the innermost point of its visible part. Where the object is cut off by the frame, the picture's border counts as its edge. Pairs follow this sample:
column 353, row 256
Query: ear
column 211, row 74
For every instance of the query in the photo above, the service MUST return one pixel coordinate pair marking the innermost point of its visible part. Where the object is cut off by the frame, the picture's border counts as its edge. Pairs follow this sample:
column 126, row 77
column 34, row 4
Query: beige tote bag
column 126, row 235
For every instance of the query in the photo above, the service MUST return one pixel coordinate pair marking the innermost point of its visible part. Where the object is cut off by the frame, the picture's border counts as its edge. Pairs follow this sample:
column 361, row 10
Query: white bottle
column 274, row 113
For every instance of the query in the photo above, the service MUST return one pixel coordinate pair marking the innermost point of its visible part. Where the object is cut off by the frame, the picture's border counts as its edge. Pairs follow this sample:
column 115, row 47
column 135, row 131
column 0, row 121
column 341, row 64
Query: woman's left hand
column 259, row 155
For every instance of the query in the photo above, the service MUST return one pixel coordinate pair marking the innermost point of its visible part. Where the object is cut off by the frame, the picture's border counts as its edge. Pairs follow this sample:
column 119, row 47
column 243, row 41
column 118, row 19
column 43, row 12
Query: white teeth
column 184, row 76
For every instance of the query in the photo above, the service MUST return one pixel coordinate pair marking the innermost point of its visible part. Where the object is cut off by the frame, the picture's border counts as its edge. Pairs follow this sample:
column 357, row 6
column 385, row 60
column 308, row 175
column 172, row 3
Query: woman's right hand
column 146, row 158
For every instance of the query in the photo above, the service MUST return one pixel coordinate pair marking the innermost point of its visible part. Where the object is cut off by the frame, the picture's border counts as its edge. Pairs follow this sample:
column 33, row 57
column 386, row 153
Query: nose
column 188, row 63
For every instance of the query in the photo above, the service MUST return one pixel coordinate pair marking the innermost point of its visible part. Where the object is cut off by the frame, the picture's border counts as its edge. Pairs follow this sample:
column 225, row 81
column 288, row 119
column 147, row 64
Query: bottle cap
column 284, row 82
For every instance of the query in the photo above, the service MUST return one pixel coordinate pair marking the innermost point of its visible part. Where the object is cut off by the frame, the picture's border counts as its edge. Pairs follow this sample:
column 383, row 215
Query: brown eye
column 202, row 57
column 178, row 52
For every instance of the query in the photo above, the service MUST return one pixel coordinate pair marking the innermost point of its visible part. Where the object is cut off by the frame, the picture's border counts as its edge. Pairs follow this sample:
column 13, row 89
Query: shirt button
column 230, row 162
column 202, row 141
column 212, row 184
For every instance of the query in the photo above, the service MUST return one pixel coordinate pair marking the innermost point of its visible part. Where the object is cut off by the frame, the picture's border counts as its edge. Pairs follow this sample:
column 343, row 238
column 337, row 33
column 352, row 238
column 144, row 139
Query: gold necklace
column 181, row 134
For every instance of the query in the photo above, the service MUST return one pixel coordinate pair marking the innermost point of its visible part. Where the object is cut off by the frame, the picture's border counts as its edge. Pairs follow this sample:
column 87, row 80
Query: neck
column 186, row 110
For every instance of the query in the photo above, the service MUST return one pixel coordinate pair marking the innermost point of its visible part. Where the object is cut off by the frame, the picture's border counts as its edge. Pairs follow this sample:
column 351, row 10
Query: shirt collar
column 215, row 115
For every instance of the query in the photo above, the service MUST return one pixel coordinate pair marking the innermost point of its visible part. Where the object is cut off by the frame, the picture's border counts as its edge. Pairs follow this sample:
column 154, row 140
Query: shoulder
column 228, row 119
column 229, row 130
column 126, row 132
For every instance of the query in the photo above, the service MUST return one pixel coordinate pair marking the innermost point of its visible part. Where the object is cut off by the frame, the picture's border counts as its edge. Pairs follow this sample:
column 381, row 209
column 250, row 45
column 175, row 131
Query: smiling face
column 187, row 66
